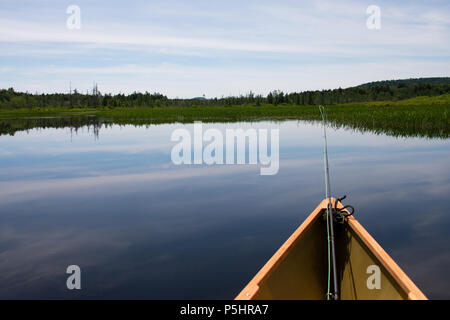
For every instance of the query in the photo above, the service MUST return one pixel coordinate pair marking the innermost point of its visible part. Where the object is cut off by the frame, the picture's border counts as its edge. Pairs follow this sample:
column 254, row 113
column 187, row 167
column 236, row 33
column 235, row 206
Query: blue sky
column 216, row 48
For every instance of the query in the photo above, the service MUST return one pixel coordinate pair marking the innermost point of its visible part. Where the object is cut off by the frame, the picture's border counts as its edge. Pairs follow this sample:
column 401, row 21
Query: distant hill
column 388, row 90
column 407, row 82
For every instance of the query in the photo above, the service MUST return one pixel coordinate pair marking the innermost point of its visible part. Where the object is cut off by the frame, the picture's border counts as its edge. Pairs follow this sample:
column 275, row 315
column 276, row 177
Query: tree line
column 11, row 99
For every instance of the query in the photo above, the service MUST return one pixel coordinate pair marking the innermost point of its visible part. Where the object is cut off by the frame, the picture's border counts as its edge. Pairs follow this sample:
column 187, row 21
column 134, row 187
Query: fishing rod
column 332, row 270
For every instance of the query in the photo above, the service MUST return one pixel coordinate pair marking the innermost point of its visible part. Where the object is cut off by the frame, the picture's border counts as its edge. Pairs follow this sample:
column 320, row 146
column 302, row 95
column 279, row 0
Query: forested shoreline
column 394, row 90
column 414, row 117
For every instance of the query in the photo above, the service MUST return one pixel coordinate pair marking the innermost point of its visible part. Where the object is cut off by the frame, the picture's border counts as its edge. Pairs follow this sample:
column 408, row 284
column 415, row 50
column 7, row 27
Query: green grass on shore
column 420, row 116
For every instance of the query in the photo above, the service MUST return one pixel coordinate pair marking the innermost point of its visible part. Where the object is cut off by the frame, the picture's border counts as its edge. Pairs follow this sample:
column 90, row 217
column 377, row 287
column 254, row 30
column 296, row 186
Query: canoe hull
column 299, row 269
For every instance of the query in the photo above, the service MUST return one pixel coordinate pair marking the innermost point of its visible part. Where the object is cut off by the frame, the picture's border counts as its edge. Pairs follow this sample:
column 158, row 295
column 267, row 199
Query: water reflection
column 140, row 227
column 392, row 127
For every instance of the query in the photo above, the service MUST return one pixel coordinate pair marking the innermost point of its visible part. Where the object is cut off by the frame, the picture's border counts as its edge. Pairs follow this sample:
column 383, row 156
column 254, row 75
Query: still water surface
column 141, row 227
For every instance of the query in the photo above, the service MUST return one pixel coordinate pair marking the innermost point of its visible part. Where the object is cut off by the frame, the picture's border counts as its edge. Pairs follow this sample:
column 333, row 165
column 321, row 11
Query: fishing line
column 330, row 229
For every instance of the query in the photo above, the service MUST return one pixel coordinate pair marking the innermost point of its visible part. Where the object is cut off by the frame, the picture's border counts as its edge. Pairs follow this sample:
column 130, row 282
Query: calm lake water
column 139, row 226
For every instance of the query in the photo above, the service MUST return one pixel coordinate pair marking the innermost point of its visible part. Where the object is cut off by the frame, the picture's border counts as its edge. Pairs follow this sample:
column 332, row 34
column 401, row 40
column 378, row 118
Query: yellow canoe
column 299, row 269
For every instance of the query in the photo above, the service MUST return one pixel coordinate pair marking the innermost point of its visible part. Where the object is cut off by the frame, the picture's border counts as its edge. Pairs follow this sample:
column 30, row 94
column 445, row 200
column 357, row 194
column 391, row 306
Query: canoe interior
column 299, row 269
column 354, row 259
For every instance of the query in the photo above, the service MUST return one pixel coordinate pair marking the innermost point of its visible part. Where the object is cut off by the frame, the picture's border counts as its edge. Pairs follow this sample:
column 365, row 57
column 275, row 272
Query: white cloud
column 186, row 50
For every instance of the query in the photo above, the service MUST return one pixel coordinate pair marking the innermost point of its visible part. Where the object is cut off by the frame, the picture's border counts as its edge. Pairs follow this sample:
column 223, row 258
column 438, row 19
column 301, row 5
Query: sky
column 219, row 48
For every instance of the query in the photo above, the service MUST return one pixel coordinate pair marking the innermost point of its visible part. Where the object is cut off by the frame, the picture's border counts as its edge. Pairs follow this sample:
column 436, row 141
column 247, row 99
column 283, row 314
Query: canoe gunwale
column 401, row 278
column 406, row 284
